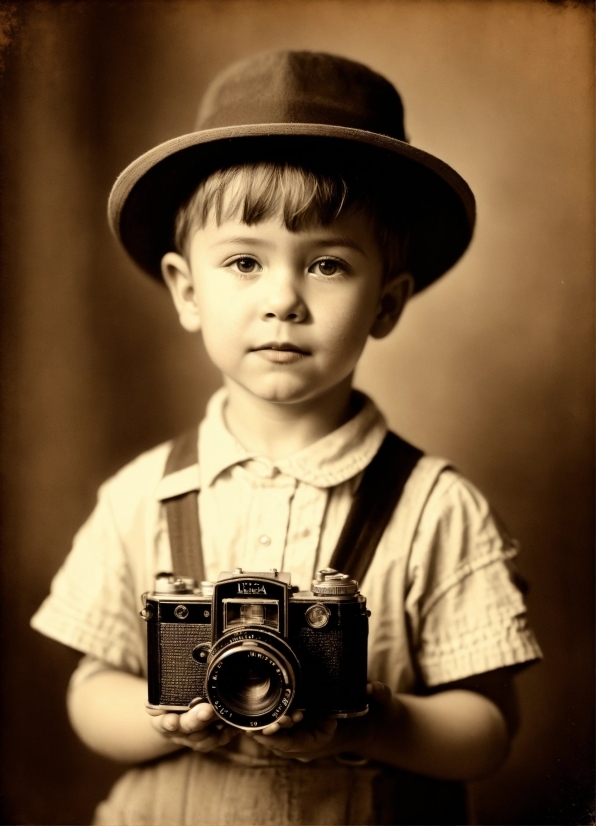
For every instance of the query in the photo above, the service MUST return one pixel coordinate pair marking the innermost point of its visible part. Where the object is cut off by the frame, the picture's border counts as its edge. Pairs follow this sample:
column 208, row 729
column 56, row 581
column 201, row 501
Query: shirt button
column 264, row 539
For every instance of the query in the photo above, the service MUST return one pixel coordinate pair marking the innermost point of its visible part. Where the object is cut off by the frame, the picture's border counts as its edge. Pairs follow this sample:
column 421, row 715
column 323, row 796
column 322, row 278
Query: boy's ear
column 394, row 296
column 176, row 273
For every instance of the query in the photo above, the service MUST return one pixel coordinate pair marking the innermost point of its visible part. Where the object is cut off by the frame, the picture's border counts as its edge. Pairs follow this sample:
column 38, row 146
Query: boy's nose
column 283, row 301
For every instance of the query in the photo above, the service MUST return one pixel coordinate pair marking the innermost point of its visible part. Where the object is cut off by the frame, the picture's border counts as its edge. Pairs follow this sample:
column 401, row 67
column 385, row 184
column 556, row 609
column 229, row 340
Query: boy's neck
column 277, row 430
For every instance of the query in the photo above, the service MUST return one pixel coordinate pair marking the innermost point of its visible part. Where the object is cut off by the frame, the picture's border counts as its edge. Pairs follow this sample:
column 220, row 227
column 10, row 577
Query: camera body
column 256, row 648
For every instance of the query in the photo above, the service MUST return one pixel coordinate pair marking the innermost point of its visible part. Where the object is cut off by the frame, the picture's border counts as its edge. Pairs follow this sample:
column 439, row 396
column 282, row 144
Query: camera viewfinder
column 241, row 612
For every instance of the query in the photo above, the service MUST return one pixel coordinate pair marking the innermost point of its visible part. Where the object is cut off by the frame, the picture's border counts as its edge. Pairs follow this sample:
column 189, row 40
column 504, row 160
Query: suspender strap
column 183, row 514
column 377, row 496
column 379, row 492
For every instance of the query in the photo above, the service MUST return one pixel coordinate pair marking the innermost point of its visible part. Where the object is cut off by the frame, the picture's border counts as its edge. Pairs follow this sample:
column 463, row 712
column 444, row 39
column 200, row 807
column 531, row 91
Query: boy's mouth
column 281, row 352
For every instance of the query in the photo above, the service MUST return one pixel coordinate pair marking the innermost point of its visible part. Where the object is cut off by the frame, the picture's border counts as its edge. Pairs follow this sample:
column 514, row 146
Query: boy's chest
column 256, row 518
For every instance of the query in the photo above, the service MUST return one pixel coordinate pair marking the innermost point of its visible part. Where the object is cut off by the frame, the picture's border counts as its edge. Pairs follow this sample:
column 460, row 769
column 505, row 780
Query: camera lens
column 251, row 677
column 250, row 683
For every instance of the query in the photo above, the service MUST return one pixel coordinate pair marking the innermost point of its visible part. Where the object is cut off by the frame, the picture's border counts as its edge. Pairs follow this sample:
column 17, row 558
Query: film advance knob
column 334, row 584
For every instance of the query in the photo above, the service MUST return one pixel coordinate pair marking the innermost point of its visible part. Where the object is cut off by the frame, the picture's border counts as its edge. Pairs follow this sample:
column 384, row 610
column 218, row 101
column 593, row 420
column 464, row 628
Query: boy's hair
column 303, row 197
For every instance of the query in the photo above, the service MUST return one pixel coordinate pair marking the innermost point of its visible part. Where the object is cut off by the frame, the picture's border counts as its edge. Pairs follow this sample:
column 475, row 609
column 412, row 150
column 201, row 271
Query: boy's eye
column 245, row 265
column 327, row 266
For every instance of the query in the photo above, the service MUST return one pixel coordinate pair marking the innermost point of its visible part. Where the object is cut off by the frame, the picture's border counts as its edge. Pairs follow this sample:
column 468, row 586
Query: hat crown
column 304, row 105
column 302, row 87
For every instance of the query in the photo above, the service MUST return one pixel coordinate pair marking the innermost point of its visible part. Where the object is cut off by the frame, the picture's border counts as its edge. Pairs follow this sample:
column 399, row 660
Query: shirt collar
column 331, row 460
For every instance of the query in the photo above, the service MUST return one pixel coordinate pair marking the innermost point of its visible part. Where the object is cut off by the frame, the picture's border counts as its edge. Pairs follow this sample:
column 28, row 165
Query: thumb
column 379, row 693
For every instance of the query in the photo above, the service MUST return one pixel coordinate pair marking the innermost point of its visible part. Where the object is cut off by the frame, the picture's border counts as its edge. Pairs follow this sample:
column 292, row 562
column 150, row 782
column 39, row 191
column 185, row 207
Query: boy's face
column 285, row 315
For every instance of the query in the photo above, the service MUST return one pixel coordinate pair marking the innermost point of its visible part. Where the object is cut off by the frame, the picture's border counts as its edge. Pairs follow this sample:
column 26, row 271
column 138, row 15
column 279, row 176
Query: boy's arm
column 456, row 734
column 107, row 711
column 453, row 734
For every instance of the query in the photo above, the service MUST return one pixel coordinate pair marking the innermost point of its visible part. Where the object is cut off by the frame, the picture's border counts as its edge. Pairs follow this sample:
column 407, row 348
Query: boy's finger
column 210, row 742
column 227, row 734
column 273, row 728
column 221, row 736
column 197, row 718
column 285, row 722
column 169, row 722
column 203, row 711
column 379, row 692
column 279, row 753
column 205, row 745
column 199, row 736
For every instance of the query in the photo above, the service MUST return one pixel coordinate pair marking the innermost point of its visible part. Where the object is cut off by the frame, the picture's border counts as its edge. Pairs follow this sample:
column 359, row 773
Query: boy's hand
column 309, row 739
column 199, row 728
column 322, row 737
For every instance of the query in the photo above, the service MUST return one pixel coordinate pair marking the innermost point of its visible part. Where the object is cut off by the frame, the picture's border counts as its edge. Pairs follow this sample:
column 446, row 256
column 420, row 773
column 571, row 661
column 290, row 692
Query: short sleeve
column 465, row 609
column 93, row 604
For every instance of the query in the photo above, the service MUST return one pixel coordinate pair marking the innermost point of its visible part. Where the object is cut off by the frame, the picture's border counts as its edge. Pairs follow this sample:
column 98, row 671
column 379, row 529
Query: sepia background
column 491, row 367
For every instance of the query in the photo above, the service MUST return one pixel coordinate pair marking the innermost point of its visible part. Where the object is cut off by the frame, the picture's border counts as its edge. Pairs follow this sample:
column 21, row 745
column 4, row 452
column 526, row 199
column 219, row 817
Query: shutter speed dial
column 330, row 582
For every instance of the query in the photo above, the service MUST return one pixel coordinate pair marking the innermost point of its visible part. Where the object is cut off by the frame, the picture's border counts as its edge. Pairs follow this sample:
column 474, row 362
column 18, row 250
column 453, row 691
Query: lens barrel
column 252, row 678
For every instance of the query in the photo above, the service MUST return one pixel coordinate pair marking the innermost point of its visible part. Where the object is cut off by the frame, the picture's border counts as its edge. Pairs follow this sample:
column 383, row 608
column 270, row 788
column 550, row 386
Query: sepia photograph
column 297, row 412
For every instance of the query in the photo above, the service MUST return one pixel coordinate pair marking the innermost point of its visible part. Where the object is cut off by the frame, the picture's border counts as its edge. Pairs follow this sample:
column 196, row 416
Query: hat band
column 298, row 111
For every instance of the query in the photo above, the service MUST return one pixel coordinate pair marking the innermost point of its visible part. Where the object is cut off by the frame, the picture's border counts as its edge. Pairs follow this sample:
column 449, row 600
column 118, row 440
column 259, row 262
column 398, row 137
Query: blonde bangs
column 300, row 197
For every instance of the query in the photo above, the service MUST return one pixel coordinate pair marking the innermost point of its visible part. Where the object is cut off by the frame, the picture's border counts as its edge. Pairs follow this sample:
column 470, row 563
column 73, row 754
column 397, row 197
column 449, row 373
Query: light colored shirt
column 440, row 588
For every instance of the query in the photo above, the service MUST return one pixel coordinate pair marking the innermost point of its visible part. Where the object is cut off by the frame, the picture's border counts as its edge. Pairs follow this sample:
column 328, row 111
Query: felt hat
column 287, row 105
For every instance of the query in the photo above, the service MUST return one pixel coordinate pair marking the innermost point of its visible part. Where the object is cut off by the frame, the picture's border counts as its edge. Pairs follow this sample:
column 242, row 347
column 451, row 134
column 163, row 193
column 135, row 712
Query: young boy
column 291, row 225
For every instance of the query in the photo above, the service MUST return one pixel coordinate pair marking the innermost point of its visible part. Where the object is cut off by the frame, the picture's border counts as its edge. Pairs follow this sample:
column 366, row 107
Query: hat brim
column 147, row 195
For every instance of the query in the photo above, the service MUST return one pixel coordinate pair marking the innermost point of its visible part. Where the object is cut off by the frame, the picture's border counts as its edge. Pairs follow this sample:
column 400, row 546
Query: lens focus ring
column 251, row 678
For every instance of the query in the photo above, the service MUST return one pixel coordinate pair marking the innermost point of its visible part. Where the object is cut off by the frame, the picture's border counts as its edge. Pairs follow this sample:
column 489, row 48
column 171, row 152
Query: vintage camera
column 255, row 647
